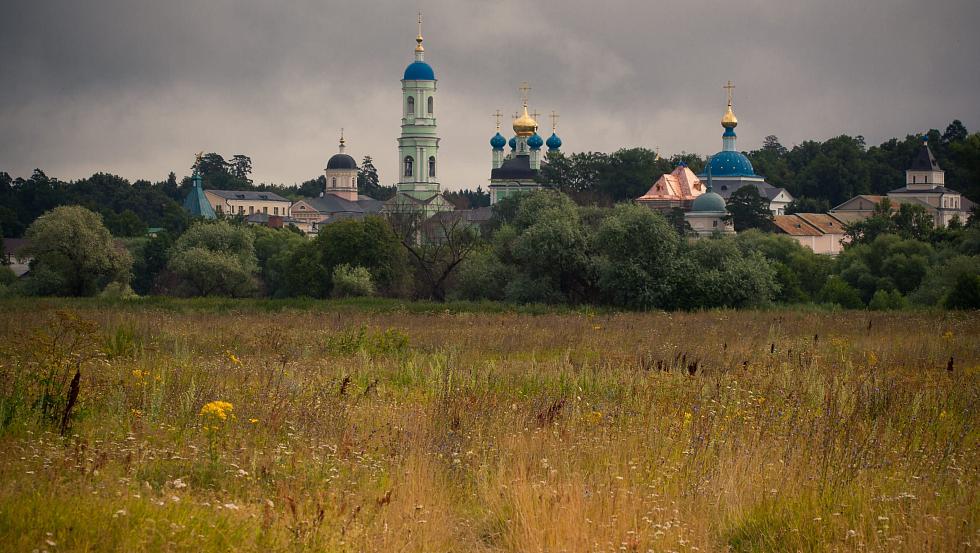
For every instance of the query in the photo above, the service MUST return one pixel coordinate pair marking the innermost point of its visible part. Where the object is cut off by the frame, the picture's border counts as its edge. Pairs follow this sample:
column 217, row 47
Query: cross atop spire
column 554, row 120
column 497, row 115
column 525, row 89
column 730, row 88
column 342, row 141
column 535, row 114
column 418, row 39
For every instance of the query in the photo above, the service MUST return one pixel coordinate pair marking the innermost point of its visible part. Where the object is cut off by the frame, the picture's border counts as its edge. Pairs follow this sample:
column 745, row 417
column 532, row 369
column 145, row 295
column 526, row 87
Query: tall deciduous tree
column 74, row 254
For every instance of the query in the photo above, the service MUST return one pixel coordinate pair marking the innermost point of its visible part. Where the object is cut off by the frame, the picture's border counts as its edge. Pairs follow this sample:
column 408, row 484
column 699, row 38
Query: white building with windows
column 925, row 184
column 247, row 202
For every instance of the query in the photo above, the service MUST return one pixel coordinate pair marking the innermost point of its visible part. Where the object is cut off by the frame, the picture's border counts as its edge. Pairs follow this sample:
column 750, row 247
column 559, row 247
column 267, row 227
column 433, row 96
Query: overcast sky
column 137, row 87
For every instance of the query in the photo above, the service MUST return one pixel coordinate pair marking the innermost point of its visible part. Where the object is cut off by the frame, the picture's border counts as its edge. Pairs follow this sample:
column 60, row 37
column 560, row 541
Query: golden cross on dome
column 554, row 120
column 420, row 22
column 535, row 114
column 341, row 135
column 730, row 87
column 497, row 115
column 525, row 89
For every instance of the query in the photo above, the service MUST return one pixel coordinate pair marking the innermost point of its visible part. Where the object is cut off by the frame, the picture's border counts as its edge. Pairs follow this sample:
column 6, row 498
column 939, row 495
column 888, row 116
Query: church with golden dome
column 516, row 171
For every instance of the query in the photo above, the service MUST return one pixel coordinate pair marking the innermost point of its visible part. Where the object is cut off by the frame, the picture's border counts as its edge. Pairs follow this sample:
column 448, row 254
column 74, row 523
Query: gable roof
column 252, row 195
column 726, row 188
column 332, row 204
column 873, row 199
column 795, row 226
column 826, row 224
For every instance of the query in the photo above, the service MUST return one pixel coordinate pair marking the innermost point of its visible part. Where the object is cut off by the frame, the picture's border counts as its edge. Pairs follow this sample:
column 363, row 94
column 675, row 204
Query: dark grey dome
column 341, row 161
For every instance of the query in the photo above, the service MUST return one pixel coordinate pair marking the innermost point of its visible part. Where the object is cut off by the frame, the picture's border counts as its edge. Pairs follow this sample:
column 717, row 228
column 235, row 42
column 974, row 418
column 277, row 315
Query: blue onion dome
column 341, row 161
column 419, row 71
column 709, row 202
column 553, row 142
column 535, row 141
column 730, row 164
column 513, row 143
column 498, row 142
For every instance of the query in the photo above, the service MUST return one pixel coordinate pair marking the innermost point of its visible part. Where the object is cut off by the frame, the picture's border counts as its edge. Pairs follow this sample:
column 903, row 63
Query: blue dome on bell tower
column 419, row 71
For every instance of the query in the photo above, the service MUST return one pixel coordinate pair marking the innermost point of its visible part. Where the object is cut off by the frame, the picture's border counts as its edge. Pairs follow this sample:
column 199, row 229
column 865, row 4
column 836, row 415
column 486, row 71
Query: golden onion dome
column 525, row 125
column 729, row 121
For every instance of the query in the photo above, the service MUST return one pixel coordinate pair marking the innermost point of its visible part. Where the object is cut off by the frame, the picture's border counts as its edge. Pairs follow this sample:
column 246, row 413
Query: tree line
column 539, row 247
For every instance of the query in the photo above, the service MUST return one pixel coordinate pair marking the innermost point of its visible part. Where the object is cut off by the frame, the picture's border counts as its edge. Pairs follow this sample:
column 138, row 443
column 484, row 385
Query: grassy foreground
column 346, row 429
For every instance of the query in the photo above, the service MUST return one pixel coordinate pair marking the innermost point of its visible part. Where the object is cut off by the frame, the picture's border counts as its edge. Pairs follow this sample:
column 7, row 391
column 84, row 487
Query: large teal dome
column 709, row 202
column 730, row 164
column 419, row 71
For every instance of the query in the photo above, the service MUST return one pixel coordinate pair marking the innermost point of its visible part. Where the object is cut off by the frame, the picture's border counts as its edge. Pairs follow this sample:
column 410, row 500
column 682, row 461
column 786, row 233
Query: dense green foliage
column 215, row 258
column 74, row 254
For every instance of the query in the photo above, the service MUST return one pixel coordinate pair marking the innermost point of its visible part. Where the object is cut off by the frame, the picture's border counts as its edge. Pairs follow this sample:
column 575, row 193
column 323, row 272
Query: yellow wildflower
column 219, row 410
column 233, row 358
column 687, row 418
column 253, row 421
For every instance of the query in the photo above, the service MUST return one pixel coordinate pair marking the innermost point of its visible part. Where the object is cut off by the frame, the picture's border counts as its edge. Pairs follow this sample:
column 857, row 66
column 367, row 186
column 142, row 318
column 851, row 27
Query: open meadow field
column 256, row 426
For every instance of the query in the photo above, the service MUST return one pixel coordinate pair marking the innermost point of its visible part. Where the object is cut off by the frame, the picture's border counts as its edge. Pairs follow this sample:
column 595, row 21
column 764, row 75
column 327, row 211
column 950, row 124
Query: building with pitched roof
column 925, row 186
column 822, row 233
column 677, row 189
column 247, row 202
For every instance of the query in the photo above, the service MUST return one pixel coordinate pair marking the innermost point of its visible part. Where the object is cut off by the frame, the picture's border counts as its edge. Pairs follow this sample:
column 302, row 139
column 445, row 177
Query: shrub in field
column 481, row 276
column 215, row 258
column 74, row 254
column 884, row 300
column 369, row 243
column 117, row 291
column 351, row 282
column 965, row 294
column 839, row 292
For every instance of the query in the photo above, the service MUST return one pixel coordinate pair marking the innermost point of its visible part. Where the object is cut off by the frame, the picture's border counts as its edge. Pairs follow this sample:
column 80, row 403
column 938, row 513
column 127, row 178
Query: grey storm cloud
column 137, row 87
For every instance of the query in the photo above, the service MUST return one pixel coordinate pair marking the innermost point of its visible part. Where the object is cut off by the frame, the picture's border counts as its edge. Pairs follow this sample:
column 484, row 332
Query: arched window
column 410, row 108
column 409, row 163
column 333, row 182
column 432, row 164
column 430, row 105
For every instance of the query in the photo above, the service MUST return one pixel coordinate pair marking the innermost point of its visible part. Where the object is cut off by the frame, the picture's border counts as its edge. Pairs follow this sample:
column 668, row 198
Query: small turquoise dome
column 730, row 164
column 419, row 71
column 553, row 142
column 535, row 141
column 709, row 202
column 513, row 143
column 498, row 142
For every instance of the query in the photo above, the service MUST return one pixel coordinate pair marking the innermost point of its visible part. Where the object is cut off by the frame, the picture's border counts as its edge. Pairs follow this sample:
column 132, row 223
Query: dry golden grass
column 490, row 432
